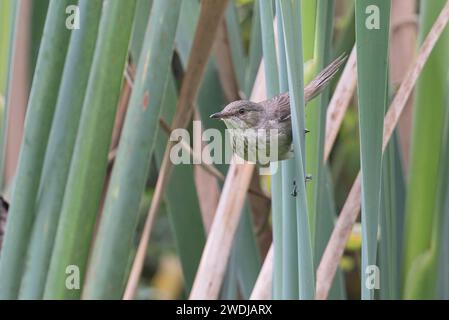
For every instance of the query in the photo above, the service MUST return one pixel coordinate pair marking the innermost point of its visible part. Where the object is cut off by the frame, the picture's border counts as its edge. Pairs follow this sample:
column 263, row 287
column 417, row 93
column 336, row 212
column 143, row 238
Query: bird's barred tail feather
column 320, row 82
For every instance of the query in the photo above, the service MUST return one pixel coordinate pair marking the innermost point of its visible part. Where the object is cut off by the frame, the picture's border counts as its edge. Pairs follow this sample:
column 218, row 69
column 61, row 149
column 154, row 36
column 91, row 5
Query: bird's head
column 241, row 114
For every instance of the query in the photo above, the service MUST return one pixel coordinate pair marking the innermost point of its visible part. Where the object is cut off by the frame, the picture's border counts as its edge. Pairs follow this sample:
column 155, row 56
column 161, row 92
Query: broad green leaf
column 83, row 192
column 60, row 148
column 372, row 37
column 41, row 106
column 108, row 266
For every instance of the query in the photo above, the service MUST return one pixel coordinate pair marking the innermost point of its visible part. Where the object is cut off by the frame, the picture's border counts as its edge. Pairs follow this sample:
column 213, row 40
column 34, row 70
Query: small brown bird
column 250, row 122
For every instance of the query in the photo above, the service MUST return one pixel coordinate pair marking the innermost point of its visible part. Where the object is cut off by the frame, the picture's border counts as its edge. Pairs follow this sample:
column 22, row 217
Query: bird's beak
column 217, row 115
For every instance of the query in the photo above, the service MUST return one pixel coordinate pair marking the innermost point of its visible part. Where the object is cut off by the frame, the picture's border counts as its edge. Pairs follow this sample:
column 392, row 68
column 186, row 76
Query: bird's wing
column 282, row 103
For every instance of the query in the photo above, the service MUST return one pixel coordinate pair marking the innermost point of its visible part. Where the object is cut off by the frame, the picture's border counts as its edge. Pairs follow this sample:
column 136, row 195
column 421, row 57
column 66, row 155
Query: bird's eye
column 242, row 111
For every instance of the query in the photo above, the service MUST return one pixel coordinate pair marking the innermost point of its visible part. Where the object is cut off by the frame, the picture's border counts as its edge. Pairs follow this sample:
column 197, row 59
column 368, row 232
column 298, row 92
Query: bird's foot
column 295, row 190
column 308, row 177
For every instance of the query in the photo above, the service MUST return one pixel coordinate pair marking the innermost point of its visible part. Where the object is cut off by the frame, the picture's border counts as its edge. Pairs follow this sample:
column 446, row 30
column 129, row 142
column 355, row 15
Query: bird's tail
column 320, row 82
